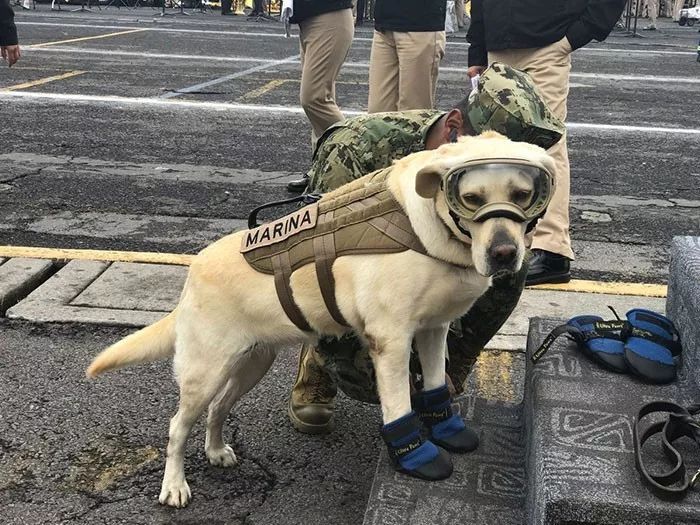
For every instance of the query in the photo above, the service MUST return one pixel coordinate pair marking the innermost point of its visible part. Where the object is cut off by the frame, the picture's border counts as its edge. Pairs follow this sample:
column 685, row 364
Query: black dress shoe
column 299, row 185
column 547, row 267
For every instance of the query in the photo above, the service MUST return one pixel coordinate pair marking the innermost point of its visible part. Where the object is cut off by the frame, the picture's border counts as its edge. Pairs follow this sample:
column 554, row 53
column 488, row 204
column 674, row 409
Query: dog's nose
column 503, row 253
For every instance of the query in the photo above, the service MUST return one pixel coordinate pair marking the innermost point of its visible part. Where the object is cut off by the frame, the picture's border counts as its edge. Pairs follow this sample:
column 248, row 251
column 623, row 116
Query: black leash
column 308, row 198
column 674, row 483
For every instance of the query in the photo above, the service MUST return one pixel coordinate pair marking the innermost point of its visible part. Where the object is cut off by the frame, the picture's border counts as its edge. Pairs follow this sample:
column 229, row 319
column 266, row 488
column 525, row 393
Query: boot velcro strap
column 402, row 436
column 397, row 431
column 435, row 415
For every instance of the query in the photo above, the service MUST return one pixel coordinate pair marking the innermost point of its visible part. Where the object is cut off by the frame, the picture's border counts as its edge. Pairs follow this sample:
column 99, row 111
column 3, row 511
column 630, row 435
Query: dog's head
column 489, row 192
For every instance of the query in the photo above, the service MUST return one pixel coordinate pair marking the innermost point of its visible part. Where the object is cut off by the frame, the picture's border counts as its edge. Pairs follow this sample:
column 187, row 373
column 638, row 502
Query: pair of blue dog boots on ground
column 646, row 344
column 421, row 458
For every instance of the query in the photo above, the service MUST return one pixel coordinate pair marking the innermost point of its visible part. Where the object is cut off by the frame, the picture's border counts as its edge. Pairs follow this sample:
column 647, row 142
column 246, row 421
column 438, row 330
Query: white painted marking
column 223, row 106
column 641, row 129
column 353, row 65
column 226, row 78
column 616, row 50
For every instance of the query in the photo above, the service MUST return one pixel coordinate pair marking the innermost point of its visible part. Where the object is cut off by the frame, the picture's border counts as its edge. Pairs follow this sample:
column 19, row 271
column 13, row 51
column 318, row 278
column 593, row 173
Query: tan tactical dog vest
column 363, row 218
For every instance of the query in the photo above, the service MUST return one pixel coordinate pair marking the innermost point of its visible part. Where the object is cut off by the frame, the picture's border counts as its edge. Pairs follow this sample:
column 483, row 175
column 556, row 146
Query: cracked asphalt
column 74, row 450
column 105, row 163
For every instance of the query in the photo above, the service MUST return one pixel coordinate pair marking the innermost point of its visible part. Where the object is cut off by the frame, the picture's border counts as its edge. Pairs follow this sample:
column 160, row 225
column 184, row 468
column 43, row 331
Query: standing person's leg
column 325, row 42
column 419, row 61
column 652, row 12
column 677, row 6
column 459, row 11
column 549, row 68
column 383, row 74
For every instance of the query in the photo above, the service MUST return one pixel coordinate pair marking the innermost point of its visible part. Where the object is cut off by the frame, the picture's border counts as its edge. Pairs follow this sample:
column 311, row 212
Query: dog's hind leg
column 200, row 379
column 431, row 345
column 246, row 373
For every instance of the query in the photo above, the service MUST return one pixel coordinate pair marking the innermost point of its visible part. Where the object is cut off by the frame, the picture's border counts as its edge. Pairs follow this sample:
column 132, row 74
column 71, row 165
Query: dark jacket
column 304, row 9
column 409, row 15
column 8, row 31
column 521, row 24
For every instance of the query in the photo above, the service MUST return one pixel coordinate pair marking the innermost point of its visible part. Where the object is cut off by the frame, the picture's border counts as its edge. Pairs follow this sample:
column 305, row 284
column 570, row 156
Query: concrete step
column 683, row 304
column 579, row 421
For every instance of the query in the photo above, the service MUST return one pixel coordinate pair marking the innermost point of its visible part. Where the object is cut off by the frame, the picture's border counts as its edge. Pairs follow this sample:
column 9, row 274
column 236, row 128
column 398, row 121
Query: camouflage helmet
column 507, row 101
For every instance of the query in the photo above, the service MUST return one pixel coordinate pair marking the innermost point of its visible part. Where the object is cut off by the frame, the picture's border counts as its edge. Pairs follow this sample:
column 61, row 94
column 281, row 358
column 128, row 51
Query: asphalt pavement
column 79, row 451
column 192, row 121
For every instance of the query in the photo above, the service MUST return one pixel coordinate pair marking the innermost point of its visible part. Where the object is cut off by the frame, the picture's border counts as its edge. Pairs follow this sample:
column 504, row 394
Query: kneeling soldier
column 505, row 101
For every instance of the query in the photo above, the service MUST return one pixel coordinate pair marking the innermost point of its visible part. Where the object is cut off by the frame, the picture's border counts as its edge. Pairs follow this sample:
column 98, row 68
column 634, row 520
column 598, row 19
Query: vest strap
column 325, row 255
column 283, row 271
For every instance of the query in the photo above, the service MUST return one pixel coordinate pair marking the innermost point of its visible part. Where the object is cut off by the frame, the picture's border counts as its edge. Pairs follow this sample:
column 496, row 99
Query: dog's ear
column 428, row 181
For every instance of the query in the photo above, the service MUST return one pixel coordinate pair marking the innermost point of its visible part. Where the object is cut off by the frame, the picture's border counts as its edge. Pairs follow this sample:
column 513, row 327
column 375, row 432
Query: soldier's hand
column 473, row 71
column 10, row 53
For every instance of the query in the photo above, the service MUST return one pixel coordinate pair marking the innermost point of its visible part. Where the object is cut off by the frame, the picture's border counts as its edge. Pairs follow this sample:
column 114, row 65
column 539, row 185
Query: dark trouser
column 349, row 363
column 226, row 6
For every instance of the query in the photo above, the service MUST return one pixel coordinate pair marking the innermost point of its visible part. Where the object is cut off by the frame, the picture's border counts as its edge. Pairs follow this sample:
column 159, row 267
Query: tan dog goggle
column 484, row 189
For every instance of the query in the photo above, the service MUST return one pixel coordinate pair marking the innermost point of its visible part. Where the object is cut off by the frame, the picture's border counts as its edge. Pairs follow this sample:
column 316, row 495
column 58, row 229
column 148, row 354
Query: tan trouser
column 549, row 68
column 325, row 41
column 403, row 70
column 676, row 6
column 459, row 11
column 652, row 10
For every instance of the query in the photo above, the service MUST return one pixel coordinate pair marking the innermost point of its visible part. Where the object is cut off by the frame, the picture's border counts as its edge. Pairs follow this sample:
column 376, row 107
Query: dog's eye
column 472, row 201
column 522, row 196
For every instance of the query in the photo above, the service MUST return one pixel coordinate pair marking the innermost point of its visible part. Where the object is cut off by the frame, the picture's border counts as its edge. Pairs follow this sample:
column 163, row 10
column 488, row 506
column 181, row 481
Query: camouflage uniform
column 363, row 144
column 357, row 146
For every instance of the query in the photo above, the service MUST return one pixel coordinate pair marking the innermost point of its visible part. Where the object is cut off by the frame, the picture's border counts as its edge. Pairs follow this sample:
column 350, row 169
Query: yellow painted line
column 41, row 81
column 84, row 38
column 181, row 259
column 95, row 255
column 272, row 84
column 614, row 288
column 494, row 380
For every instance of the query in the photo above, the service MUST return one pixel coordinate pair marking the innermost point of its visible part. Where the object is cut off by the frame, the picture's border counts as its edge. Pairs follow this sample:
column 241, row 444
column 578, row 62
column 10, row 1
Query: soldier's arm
column 596, row 22
column 335, row 164
column 475, row 36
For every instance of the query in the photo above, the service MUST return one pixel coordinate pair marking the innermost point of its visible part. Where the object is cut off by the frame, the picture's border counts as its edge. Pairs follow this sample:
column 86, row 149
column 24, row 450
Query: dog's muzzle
column 531, row 186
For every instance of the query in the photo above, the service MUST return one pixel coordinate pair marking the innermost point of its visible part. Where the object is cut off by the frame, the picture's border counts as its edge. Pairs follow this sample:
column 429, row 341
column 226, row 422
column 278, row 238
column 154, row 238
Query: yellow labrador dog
column 469, row 203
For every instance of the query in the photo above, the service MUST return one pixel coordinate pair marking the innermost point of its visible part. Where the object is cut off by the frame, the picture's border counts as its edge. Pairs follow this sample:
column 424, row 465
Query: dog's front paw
column 175, row 494
column 222, row 457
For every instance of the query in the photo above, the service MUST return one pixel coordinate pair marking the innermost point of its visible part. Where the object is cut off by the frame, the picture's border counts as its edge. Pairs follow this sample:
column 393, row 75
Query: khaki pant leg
column 459, row 11
column 652, row 10
column 383, row 74
column 677, row 5
column 325, row 42
column 549, row 68
column 419, row 54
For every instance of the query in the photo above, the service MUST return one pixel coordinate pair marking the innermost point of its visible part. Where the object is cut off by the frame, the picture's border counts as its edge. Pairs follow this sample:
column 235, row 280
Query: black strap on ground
column 674, row 483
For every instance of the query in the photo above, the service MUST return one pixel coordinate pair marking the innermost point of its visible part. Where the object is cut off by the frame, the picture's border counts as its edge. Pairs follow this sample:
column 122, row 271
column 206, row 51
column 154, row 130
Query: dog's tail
column 152, row 343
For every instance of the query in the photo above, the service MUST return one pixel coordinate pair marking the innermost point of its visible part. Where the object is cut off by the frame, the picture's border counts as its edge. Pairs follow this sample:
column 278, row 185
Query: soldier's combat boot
column 313, row 396
column 411, row 454
column 434, row 408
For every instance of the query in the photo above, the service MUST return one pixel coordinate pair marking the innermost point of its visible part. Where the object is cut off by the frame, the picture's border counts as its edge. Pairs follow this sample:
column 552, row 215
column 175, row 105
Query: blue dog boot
column 447, row 429
column 601, row 341
column 653, row 348
column 410, row 454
